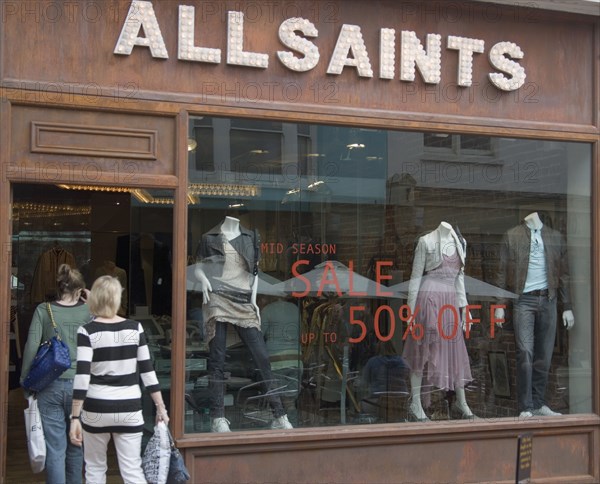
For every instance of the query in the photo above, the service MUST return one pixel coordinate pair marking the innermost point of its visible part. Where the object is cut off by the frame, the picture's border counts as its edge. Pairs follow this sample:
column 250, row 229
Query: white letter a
column 141, row 14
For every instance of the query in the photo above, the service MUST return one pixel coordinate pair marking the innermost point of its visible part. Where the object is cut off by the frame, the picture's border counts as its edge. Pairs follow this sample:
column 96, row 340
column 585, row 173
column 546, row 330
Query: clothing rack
column 327, row 318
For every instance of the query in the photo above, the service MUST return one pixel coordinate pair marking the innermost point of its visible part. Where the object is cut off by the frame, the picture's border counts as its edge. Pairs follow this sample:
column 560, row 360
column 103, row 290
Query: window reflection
column 340, row 221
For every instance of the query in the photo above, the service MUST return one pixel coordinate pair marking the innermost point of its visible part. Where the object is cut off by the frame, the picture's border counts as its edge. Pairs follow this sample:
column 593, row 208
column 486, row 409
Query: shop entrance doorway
column 123, row 232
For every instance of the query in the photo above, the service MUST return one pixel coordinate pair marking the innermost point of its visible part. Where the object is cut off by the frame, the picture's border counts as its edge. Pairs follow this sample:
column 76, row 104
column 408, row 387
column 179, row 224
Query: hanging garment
column 44, row 276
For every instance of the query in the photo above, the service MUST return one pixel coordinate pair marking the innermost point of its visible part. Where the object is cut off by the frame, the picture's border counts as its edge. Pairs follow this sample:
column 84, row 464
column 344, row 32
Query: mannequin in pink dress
column 437, row 299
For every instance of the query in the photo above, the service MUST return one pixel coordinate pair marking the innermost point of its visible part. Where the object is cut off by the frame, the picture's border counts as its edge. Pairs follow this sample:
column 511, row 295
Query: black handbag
column 51, row 360
column 178, row 473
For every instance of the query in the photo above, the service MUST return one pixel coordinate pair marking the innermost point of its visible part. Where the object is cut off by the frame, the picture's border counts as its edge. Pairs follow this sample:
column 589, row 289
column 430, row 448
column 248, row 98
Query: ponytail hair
column 68, row 281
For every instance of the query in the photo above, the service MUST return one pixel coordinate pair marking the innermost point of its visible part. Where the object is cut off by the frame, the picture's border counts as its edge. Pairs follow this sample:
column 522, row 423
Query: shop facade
column 339, row 133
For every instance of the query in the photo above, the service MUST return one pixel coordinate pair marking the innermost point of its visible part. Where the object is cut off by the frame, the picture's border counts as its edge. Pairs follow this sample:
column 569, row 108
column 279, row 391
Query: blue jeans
column 535, row 331
column 255, row 342
column 64, row 461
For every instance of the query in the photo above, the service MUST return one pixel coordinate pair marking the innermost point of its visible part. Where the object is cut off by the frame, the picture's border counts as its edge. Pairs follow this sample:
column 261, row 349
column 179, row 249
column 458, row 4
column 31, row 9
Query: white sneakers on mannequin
column 220, row 424
column 545, row 411
column 281, row 423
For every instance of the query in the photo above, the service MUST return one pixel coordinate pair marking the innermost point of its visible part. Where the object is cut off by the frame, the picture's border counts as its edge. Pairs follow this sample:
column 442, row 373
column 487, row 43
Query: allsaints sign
column 350, row 49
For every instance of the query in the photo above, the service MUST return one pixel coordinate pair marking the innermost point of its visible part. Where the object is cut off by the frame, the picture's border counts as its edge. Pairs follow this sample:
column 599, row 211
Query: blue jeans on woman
column 64, row 461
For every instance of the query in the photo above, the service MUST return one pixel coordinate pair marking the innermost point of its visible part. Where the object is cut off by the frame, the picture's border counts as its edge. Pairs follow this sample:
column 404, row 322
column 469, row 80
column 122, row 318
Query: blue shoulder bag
column 51, row 360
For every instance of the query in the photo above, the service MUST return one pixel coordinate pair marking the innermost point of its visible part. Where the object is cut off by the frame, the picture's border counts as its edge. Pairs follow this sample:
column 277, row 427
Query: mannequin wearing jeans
column 228, row 276
column 533, row 264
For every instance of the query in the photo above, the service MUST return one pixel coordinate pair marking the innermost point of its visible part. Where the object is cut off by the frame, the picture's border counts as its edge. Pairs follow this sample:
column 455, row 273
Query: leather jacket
column 211, row 254
column 514, row 261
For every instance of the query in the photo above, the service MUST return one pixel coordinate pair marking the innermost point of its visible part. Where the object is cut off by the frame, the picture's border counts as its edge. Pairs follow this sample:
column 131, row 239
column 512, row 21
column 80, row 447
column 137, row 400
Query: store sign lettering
column 330, row 285
column 304, row 55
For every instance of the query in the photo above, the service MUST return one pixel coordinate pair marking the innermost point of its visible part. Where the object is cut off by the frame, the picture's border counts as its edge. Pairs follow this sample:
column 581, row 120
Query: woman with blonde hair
column 112, row 356
column 64, row 461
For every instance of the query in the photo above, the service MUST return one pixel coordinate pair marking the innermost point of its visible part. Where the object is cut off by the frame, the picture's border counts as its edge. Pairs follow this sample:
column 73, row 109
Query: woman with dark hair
column 112, row 359
column 64, row 461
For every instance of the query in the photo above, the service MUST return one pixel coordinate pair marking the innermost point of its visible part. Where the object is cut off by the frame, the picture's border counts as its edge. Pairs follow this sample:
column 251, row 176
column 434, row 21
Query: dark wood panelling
column 392, row 455
column 5, row 277
column 101, row 141
column 178, row 340
column 596, row 282
column 52, row 145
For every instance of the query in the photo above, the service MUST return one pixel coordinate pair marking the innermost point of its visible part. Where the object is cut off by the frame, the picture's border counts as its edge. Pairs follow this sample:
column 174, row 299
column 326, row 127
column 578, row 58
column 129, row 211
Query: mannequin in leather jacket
column 533, row 264
column 228, row 274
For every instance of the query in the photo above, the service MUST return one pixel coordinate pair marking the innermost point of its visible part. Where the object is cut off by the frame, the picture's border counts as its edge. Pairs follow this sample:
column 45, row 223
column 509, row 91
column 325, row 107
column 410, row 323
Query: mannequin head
column 533, row 221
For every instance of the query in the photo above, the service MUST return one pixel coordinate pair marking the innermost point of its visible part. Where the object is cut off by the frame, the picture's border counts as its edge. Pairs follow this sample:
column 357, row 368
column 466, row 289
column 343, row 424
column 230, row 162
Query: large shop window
column 340, row 275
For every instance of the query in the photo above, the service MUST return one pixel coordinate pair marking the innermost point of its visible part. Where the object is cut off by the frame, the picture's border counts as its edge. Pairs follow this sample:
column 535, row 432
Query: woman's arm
column 81, row 384
column 148, row 376
column 85, row 353
column 34, row 339
column 75, row 433
column 161, row 409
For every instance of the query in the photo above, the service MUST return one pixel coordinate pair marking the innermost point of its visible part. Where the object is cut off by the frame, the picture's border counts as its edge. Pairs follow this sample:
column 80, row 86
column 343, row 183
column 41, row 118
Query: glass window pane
column 475, row 142
column 437, row 140
column 203, row 148
column 370, row 253
column 255, row 151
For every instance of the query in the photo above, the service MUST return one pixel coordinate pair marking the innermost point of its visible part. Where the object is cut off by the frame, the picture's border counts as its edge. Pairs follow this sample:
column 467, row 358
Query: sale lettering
column 329, row 283
column 415, row 328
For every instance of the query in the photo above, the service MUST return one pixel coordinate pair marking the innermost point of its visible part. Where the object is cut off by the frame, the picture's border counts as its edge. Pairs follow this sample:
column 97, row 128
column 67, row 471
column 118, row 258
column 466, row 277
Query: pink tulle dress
column 438, row 351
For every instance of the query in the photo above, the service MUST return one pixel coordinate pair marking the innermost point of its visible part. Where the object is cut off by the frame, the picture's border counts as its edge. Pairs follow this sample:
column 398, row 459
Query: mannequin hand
column 206, row 290
column 205, row 283
column 499, row 314
column 463, row 320
column 568, row 319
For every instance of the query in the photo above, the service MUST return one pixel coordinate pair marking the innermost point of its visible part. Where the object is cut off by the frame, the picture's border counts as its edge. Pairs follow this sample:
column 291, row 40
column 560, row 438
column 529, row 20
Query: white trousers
column 129, row 454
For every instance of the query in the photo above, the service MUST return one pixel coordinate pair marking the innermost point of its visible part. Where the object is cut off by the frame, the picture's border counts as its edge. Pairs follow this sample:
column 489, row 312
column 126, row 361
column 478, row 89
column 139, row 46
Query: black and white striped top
column 111, row 360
